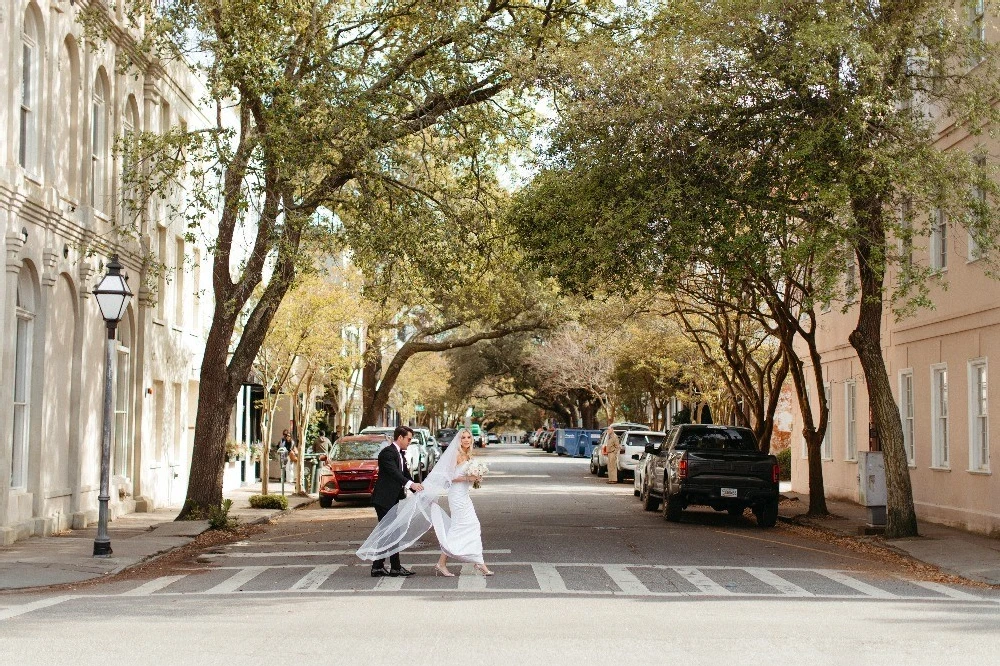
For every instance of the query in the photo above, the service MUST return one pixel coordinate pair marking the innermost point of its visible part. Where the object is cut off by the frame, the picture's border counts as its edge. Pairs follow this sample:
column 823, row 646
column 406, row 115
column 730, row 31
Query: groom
column 393, row 482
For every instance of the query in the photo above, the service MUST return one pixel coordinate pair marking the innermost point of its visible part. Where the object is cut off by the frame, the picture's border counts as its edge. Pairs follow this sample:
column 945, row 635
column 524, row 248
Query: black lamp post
column 112, row 295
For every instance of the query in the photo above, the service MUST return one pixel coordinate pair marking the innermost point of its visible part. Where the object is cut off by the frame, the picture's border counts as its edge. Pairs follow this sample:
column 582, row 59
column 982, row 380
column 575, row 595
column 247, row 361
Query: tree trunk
column 817, row 491
column 370, row 375
column 866, row 338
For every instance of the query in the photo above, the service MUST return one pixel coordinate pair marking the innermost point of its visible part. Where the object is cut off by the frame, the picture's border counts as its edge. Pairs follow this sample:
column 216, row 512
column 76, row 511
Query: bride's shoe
column 443, row 571
column 481, row 568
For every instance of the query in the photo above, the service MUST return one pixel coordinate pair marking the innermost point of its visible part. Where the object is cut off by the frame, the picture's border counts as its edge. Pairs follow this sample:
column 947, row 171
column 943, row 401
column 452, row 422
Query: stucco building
column 63, row 106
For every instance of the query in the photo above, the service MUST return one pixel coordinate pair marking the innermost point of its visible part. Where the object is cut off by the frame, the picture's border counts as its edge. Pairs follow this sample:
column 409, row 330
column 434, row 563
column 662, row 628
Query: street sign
column 419, row 408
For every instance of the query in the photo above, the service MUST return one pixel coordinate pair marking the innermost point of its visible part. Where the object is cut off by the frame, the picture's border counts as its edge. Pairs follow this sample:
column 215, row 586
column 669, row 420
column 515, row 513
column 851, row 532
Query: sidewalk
column 135, row 537
column 954, row 551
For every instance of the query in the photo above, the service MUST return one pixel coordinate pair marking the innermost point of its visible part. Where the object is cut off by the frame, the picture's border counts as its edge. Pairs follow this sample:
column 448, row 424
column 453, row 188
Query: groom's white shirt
column 402, row 462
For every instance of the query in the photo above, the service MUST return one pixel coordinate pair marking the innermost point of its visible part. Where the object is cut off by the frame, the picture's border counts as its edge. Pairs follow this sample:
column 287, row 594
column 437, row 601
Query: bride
column 459, row 534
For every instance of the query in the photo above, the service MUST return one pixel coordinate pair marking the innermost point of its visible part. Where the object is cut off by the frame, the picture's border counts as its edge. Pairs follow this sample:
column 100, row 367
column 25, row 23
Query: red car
column 350, row 468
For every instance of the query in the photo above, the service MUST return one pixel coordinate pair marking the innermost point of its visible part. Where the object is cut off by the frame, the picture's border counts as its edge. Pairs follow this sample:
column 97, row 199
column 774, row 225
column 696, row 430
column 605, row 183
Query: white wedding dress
column 460, row 535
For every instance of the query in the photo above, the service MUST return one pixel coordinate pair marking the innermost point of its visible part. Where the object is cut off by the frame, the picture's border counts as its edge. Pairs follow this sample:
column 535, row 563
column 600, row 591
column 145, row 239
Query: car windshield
column 355, row 451
column 719, row 439
column 643, row 440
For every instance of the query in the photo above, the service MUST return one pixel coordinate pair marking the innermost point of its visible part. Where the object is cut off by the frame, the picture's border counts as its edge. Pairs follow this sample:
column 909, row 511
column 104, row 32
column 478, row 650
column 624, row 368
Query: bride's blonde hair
column 462, row 454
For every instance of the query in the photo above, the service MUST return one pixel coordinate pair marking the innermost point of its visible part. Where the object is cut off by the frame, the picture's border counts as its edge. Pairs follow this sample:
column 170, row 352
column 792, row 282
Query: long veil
column 412, row 517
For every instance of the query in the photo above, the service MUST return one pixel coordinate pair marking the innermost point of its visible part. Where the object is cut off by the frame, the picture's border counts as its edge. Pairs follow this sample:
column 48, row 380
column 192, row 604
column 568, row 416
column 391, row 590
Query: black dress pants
column 380, row 511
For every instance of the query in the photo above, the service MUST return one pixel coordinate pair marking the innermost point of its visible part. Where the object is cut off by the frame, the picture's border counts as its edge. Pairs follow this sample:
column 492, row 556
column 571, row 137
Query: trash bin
column 871, row 486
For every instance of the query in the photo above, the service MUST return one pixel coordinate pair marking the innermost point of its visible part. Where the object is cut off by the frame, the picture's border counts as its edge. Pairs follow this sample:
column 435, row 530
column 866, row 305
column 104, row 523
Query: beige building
column 63, row 107
column 939, row 365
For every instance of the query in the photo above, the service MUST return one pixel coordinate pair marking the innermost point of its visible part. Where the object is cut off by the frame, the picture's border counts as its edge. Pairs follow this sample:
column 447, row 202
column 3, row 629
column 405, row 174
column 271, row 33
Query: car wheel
column 672, row 509
column 325, row 501
column 635, row 491
column 593, row 467
column 649, row 503
column 602, row 471
column 767, row 515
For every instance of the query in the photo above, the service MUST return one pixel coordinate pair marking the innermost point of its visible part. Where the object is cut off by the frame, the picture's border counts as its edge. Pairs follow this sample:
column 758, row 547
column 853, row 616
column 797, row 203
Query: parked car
column 416, row 454
column 619, row 429
column 350, row 468
column 445, row 435
column 633, row 446
column 547, row 441
column 432, row 447
column 492, row 438
column 640, row 473
column 713, row 465
column 595, row 460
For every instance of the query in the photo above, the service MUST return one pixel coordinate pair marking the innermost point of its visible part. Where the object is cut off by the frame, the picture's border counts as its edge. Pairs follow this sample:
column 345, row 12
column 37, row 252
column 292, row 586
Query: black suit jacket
column 392, row 477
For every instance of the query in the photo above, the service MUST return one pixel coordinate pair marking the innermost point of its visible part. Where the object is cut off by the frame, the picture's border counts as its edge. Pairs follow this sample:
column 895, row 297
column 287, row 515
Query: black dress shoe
column 378, row 573
column 401, row 571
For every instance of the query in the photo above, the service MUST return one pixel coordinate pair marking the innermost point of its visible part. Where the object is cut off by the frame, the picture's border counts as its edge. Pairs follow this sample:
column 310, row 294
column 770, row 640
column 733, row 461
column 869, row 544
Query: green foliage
column 218, row 516
column 269, row 502
column 784, row 457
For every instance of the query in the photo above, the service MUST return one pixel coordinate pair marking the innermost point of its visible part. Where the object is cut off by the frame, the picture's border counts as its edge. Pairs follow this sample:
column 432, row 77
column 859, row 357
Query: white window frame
column 939, row 241
column 122, row 405
column 906, row 414
column 851, row 421
column 979, row 427
column 940, row 442
column 29, row 103
column 828, row 435
column 979, row 194
column 180, row 297
column 23, row 347
column 98, row 147
column 977, row 21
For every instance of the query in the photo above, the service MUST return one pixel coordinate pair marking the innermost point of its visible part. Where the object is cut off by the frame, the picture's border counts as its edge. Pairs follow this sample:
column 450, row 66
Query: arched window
column 25, row 312
column 123, row 396
column 98, row 144
column 130, row 193
column 68, row 147
column 31, row 55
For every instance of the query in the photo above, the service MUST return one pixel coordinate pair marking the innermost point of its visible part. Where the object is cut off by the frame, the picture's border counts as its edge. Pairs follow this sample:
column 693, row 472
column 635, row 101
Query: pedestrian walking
column 611, row 444
column 322, row 444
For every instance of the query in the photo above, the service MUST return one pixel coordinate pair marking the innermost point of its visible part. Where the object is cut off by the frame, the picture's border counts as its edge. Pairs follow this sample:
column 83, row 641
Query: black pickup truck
column 712, row 465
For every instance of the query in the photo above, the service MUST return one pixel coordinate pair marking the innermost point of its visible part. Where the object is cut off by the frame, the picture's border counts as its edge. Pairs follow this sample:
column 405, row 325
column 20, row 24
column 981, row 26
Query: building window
column 23, row 345
column 979, row 439
column 939, row 416
column 977, row 22
column 180, row 297
column 123, row 398
column 906, row 413
column 196, row 291
column 828, row 435
column 161, row 277
column 129, row 179
column 30, row 70
column 979, row 210
column 939, row 241
column 851, row 419
column 98, row 147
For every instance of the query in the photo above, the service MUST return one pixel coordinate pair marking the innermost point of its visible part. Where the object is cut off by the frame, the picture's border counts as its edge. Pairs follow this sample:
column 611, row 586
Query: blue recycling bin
column 576, row 442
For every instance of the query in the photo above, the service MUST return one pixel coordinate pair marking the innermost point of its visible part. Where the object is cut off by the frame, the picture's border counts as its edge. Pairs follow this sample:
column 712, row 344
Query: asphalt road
column 582, row 574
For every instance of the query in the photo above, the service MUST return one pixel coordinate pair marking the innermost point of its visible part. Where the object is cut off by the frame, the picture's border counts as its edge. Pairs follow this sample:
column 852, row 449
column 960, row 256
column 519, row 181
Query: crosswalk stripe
column 854, row 584
column 152, row 586
column 625, row 579
column 548, row 578
column 470, row 580
column 777, row 582
column 945, row 590
column 14, row 611
column 389, row 584
column 316, row 577
column 704, row 584
column 236, row 581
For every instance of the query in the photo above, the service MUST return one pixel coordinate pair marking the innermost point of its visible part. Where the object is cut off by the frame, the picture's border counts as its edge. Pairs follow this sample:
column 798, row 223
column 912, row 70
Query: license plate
column 729, row 492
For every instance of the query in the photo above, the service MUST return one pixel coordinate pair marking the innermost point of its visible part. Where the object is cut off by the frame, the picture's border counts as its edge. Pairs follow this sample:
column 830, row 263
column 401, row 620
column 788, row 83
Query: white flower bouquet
column 477, row 470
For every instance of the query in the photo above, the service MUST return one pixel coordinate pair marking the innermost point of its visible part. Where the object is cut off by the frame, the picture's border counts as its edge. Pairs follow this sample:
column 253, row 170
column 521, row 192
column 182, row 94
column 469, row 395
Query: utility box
column 871, row 486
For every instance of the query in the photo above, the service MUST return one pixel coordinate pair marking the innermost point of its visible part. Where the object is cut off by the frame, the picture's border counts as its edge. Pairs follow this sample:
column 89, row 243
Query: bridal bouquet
column 478, row 470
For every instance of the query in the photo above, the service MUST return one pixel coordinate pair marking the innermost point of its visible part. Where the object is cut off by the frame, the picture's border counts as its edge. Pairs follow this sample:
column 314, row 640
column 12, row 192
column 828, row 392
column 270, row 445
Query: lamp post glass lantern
column 112, row 294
